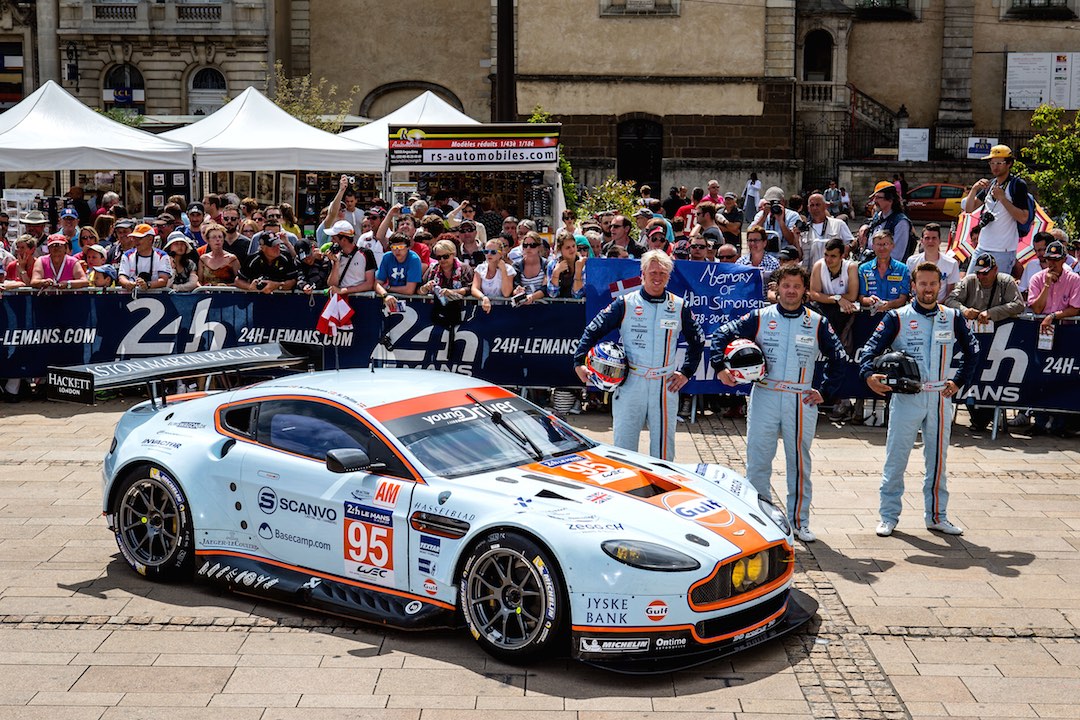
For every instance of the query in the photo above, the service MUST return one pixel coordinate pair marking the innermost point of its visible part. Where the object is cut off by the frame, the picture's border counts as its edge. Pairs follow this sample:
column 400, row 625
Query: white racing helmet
column 606, row 366
column 744, row 360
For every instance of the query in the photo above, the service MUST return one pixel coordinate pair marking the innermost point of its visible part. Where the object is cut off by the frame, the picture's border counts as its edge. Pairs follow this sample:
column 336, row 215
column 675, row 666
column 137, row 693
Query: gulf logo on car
column 431, row 587
column 656, row 610
column 703, row 510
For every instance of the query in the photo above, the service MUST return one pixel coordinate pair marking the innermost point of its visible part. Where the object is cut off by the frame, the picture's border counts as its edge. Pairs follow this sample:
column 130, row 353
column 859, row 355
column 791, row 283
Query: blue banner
column 715, row 292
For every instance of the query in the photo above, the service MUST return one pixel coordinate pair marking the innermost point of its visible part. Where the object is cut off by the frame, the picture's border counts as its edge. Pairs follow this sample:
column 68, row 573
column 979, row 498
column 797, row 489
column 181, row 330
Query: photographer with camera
column 271, row 270
column 315, row 268
column 144, row 267
column 819, row 229
column 778, row 221
column 1006, row 208
column 354, row 266
column 927, row 333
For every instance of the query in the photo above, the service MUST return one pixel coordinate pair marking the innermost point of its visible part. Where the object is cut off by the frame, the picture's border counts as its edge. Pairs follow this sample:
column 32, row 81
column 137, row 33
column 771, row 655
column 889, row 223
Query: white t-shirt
column 950, row 271
column 367, row 240
column 814, row 239
column 492, row 287
column 1000, row 235
column 157, row 264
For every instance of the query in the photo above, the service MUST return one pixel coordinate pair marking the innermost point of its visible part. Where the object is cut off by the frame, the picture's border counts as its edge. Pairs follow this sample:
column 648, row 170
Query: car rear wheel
column 153, row 525
column 512, row 597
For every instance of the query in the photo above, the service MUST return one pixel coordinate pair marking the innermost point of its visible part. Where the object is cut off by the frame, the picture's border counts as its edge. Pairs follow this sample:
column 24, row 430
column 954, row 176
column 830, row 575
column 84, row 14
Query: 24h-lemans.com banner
column 523, row 346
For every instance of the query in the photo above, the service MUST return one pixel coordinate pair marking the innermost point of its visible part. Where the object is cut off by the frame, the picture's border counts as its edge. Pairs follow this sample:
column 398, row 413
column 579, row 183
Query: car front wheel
column 153, row 525
column 512, row 597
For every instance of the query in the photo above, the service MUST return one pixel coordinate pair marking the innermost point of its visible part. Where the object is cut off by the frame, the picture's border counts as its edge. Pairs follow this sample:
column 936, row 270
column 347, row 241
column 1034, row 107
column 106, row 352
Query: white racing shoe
column 885, row 528
column 805, row 534
column 945, row 527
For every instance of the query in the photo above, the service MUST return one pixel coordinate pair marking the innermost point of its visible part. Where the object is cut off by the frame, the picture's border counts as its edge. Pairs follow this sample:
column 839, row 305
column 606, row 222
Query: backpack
column 1023, row 228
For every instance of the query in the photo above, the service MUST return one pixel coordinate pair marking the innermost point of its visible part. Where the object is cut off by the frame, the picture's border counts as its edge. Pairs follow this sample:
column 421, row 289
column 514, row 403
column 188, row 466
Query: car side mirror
column 346, row 460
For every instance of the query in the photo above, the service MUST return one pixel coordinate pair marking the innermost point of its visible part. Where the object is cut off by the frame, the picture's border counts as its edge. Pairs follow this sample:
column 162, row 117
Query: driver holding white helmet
column 649, row 320
column 784, row 402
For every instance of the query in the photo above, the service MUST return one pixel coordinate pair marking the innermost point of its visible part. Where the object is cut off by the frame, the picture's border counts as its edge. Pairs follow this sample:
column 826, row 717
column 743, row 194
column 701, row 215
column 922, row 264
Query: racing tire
column 153, row 525
column 513, row 597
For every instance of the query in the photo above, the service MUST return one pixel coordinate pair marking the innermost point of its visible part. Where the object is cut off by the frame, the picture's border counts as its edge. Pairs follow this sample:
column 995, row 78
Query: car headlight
column 750, row 571
column 775, row 514
column 649, row 556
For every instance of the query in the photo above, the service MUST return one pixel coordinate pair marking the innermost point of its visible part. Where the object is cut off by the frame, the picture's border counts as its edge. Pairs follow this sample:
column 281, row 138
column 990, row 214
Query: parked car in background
column 935, row 202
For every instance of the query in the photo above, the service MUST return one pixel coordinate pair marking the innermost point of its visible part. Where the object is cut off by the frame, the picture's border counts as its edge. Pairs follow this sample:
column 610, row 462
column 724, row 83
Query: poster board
column 1032, row 79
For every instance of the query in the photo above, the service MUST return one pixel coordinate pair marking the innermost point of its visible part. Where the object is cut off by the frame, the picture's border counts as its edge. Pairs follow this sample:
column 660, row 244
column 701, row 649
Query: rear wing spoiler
column 79, row 383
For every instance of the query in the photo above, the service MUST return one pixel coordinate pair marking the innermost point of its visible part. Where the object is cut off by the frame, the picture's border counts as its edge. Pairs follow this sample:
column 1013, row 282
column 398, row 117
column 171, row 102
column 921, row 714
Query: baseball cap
column 61, row 239
column 657, row 231
column 376, row 212
column 142, row 230
column 730, row 195
column 96, row 248
column 774, row 194
column 69, row 213
column 883, row 185
column 196, row 207
column 125, row 223
column 789, row 253
column 34, row 217
column 643, row 212
column 984, row 264
column 165, row 219
column 467, row 226
column 1054, row 251
column 105, row 270
column 303, row 249
column 177, row 236
column 999, row 151
column 341, row 227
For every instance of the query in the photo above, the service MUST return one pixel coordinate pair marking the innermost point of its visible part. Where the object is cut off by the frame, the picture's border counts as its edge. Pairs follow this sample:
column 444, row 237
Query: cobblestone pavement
column 917, row 625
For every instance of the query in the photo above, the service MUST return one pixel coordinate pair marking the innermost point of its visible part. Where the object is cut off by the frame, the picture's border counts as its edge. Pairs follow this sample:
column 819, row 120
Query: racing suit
column 650, row 328
column 928, row 336
column 791, row 341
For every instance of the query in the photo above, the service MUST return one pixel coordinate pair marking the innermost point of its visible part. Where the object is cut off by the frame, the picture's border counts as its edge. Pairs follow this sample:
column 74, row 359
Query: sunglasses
column 530, row 245
column 492, row 252
column 398, row 247
column 87, row 237
column 657, row 238
column 443, row 257
column 231, row 219
column 273, row 217
column 258, row 218
column 699, row 247
column 4, row 222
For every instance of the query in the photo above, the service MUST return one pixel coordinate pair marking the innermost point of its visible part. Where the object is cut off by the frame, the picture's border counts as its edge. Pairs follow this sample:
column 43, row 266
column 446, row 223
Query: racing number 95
column 369, row 544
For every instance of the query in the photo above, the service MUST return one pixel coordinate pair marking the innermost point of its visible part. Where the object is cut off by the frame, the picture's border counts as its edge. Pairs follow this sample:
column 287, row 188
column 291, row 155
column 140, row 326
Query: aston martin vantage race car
column 421, row 499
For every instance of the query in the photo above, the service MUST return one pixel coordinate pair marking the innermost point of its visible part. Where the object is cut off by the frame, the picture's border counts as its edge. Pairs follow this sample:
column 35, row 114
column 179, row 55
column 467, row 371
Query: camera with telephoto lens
column 985, row 219
column 776, row 208
column 801, row 225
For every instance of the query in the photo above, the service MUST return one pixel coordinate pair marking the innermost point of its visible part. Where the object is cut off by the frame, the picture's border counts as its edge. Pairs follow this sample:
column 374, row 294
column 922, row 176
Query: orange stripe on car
column 436, row 401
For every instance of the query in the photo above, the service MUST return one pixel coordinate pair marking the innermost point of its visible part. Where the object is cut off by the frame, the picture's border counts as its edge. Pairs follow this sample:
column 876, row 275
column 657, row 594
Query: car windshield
column 469, row 439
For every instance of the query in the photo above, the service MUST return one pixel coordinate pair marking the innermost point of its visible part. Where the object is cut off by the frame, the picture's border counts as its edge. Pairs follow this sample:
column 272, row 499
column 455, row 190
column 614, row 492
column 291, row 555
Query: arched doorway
column 640, row 153
column 818, row 56
column 124, row 88
column 206, row 91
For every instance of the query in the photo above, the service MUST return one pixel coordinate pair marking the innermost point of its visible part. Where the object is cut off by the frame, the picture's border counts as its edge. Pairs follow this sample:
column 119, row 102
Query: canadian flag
column 337, row 315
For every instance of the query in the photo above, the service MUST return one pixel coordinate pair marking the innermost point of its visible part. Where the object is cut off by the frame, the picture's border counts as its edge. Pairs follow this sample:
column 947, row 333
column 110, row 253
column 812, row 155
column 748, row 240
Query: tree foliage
column 315, row 102
column 569, row 185
column 1052, row 163
column 131, row 118
column 613, row 194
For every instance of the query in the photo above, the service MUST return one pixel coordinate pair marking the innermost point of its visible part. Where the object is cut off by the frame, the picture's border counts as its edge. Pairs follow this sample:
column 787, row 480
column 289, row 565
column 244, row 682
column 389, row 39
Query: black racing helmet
column 901, row 372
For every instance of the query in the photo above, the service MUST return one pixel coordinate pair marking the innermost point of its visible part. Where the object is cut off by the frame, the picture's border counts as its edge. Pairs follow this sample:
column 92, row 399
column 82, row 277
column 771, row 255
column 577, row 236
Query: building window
column 1040, row 10
column 642, row 8
column 818, row 56
column 884, row 10
column 124, row 89
column 11, row 74
column 207, row 92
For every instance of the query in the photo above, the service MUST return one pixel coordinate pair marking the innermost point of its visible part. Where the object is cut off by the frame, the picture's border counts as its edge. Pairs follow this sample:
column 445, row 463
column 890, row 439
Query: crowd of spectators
column 455, row 251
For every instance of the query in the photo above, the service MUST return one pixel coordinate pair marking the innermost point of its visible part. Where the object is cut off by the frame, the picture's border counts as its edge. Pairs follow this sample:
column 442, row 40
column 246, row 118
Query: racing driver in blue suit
column 927, row 331
column 784, row 402
column 649, row 320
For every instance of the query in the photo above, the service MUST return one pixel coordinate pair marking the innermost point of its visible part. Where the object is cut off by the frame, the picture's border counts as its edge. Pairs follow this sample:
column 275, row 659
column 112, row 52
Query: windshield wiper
column 500, row 421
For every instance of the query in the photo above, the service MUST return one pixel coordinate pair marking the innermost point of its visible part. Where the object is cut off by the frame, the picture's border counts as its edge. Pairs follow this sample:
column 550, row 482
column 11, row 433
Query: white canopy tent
column 427, row 109
column 52, row 130
column 252, row 133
